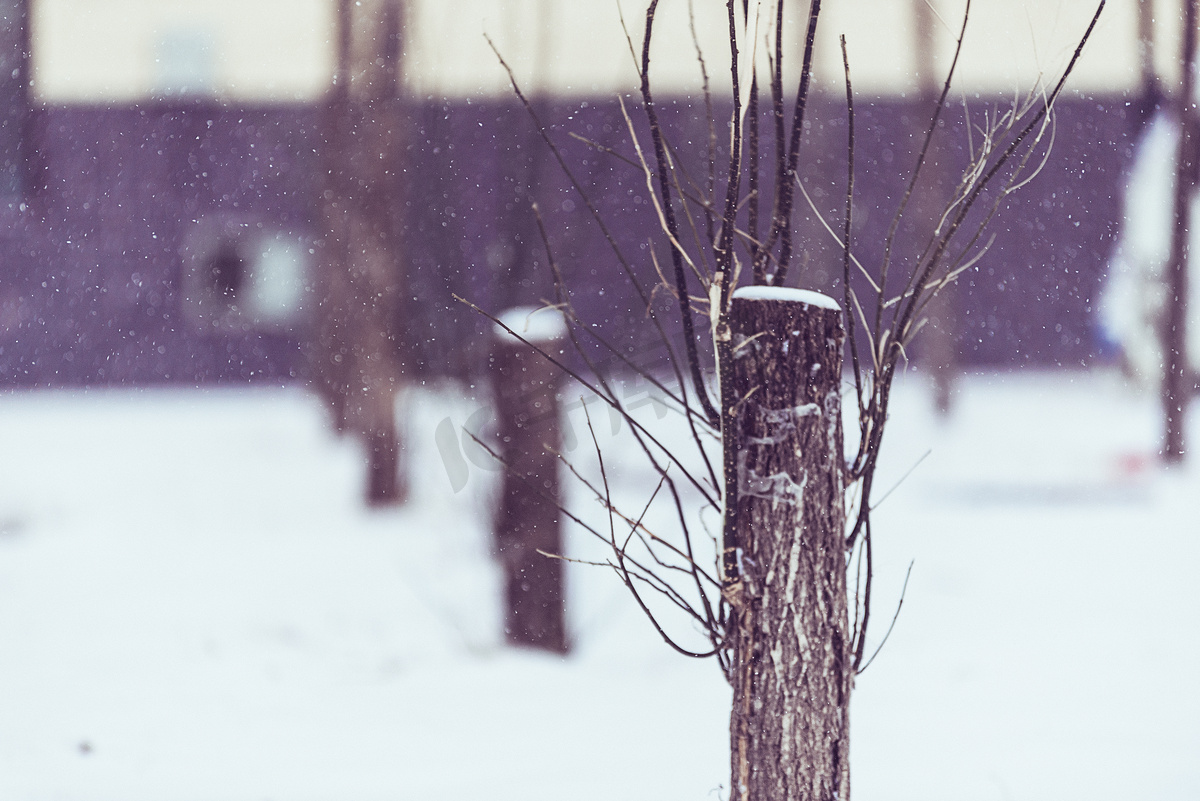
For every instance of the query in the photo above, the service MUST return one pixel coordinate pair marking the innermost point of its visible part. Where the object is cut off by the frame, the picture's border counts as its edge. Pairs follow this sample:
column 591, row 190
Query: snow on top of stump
column 787, row 293
column 533, row 323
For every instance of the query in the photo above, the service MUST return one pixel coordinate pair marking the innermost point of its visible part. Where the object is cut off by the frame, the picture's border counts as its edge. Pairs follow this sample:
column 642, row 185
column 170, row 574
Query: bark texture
column 358, row 364
column 526, row 388
column 791, row 640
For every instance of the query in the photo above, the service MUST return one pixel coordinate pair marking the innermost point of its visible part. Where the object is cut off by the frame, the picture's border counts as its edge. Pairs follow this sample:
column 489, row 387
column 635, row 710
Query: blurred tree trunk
column 1177, row 380
column 930, row 196
column 16, row 140
column 1145, row 32
column 790, row 634
column 358, row 351
column 1150, row 92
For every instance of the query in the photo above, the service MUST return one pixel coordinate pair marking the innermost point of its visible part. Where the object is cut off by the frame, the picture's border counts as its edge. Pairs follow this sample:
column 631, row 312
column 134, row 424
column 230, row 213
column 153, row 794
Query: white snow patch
column 787, row 294
column 1135, row 292
column 193, row 604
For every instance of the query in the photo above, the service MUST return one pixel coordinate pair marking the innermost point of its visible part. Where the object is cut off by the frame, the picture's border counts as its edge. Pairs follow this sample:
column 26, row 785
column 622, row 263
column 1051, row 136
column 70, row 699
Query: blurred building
column 105, row 51
column 160, row 171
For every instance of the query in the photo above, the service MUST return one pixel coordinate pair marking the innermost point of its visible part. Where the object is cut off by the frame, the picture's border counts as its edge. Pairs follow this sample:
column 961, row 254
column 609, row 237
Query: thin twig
column 892, row 625
column 783, row 219
column 846, row 231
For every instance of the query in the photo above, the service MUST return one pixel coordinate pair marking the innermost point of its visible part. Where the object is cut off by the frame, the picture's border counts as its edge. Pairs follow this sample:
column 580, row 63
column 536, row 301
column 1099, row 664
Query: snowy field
column 194, row 606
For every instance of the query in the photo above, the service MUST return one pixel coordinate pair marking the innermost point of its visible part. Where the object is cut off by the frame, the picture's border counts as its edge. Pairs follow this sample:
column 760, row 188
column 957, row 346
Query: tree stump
column 527, row 524
column 790, row 637
column 386, row 484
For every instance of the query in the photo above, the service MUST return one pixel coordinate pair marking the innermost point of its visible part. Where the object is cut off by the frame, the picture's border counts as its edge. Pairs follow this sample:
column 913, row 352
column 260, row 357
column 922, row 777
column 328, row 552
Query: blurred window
column 184, row 63
column 242, row 275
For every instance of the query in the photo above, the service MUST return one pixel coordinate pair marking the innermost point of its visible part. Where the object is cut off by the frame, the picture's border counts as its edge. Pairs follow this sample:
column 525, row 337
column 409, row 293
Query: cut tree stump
column 527, row 523
column 385, row 485
column 790, row 636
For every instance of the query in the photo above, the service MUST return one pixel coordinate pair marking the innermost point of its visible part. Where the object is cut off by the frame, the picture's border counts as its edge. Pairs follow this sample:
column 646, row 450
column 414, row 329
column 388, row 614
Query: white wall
column 1008, row 44
column 113, row 50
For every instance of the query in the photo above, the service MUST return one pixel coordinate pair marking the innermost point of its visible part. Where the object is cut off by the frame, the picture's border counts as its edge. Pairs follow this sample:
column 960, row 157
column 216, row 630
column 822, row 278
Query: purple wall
column 90, row 283
column 92, row 266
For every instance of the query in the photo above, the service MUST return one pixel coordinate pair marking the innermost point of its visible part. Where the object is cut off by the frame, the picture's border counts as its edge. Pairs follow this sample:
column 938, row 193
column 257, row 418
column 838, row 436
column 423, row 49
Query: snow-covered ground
column 194, row 605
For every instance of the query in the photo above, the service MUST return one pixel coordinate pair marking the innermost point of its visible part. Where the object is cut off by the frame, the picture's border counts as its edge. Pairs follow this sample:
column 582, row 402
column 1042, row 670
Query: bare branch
column 668, row 211
column 892, row 625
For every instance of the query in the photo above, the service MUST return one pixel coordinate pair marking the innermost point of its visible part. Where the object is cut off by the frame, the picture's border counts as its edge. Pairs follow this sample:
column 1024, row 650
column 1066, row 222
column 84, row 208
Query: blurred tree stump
column 527, row 522
column 941, row 345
